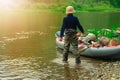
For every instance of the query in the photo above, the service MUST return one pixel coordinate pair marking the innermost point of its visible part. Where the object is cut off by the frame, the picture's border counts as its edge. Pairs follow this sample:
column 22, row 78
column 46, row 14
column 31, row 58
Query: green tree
column 115, row 3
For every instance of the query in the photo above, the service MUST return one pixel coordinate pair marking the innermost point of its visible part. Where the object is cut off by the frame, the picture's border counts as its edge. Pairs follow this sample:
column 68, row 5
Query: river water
column 28, row 49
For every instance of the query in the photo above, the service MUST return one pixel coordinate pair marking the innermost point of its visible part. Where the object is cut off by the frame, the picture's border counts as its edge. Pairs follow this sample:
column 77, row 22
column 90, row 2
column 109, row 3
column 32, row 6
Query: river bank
column 104, row 71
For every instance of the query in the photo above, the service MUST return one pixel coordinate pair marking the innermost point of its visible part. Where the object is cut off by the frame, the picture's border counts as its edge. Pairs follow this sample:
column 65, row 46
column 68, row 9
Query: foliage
column 109, row 33
column 78, row 4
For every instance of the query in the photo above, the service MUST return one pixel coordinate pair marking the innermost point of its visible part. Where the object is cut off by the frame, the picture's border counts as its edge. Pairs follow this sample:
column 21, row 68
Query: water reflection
column 71, row 74
column 16, row 69
column 25, row 69
column 67, row 72
column 26, row 56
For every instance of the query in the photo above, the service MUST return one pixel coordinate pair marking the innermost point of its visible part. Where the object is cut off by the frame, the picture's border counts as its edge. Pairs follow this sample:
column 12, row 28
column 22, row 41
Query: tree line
column 78, row 4
column 90, row 3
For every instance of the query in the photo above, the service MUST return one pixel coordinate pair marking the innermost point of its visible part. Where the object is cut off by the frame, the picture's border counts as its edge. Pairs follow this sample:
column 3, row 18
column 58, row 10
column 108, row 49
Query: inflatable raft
column 112, row 52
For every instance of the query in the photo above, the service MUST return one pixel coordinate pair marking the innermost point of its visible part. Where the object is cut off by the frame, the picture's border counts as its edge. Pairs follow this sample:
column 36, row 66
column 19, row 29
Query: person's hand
column 60, row 38
column 78, row 34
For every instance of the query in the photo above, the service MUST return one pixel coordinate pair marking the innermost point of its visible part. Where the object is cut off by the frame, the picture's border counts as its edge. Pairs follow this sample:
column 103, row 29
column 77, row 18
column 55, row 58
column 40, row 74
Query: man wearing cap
column 69, row 27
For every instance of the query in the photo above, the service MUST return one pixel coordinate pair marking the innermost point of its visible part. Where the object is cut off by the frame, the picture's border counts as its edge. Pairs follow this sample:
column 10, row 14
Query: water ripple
column 19, row 36
column 26, row 69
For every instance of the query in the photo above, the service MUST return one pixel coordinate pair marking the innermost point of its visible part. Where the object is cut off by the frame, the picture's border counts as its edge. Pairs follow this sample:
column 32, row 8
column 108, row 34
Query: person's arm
column 62, row 28
column 80, row 26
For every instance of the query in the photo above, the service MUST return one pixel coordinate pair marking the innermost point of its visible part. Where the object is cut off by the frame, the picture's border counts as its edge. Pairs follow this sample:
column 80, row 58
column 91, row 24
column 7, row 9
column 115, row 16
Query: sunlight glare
column 8, row 4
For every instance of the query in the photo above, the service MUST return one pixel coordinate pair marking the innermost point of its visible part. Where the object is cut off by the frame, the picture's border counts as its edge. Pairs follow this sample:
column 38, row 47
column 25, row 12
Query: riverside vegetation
column 60, row 5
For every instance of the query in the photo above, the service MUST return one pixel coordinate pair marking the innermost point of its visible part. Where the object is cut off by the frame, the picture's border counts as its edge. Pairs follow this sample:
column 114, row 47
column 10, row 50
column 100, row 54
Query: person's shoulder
column 64, row 17
column 75, row 17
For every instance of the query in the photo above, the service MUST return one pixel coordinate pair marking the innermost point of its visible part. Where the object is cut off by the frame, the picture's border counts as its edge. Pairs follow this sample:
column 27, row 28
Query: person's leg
column 66, row 48
column 74, row 43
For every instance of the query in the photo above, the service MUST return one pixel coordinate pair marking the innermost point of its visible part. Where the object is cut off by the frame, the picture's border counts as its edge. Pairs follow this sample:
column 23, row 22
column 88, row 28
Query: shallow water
column 28, row 49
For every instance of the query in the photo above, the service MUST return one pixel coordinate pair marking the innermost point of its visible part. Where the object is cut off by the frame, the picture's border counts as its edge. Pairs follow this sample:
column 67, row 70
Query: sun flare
column 8, row 4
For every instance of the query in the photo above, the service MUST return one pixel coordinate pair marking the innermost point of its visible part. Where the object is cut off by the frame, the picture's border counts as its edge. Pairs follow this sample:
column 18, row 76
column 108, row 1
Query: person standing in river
column 69, row 27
